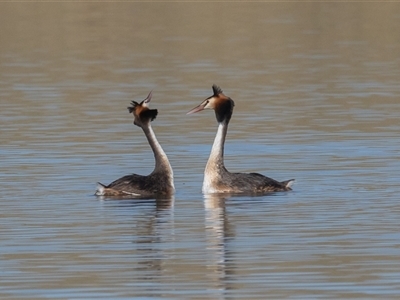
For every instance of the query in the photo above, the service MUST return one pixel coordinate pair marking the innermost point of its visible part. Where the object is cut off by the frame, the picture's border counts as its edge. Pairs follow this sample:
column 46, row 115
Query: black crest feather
column 149, row 114
column 216, row 89
column 132, row 108
column 224, row 110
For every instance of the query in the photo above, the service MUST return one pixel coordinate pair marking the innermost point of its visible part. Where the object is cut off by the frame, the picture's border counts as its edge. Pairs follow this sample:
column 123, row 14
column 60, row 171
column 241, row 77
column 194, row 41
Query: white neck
column 162, row 162
column 217, row 150
column 215, row 165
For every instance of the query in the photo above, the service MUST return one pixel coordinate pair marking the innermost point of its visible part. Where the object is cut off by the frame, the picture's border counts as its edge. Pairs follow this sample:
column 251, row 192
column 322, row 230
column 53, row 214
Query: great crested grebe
column 217, row 179
column 161, row 181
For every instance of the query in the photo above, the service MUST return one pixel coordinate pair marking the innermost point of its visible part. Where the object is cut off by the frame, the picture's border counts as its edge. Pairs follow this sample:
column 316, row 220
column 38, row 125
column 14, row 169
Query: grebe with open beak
column 161, row 181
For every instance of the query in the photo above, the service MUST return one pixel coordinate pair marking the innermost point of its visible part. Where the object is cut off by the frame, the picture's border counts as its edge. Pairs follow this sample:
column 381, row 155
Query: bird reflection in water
column 150, row 228
column 218, row 234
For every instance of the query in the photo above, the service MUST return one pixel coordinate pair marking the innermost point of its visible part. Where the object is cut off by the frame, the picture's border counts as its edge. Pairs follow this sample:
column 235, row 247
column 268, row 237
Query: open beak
column 148, row 99
column 196, row 109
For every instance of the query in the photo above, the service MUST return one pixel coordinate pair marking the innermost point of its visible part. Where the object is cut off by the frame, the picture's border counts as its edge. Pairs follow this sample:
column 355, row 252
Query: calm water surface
column 316, row 88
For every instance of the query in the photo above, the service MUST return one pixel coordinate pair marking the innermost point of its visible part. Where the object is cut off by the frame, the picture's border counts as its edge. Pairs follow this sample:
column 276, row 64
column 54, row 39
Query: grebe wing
column 258, row 183
column 130, row 184
column 269, row 182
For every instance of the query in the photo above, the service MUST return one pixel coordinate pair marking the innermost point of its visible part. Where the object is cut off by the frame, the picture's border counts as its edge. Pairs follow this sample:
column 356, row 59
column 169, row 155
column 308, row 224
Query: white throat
column 162, row 162
column 215, row 162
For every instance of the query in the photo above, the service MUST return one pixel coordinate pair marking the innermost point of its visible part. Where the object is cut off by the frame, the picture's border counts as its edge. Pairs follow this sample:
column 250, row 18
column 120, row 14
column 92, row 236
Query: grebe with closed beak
column 161, row 181
column 217, row 179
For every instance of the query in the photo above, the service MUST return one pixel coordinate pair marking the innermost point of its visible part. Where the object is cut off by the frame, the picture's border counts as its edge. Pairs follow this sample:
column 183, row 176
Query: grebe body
column 161, row 181
column 217, row 179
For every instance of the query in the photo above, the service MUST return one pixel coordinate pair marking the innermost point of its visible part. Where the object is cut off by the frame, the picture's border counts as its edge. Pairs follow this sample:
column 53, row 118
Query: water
column 316, row 88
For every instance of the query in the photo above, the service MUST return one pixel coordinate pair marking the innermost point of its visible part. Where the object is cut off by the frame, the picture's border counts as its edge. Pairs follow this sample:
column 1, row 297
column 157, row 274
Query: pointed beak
column 148, row 99
column 196, row 109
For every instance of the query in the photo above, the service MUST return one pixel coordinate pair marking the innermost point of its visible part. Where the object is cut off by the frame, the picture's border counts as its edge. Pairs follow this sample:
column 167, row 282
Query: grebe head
column 142, row 114
column 221, row 104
